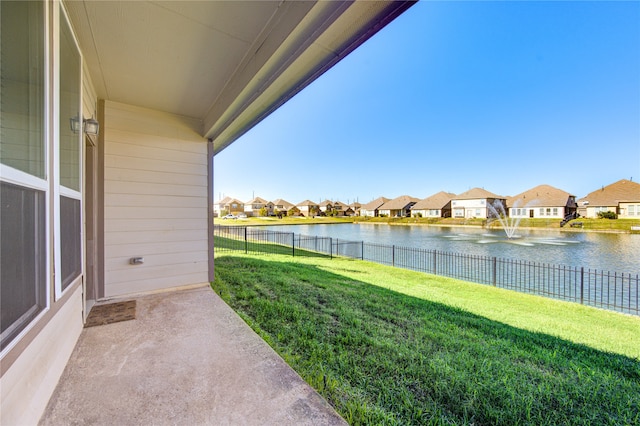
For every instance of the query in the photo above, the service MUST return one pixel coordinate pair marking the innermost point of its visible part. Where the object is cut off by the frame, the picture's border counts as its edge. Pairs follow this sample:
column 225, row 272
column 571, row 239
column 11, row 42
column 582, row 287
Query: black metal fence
column 602, row 289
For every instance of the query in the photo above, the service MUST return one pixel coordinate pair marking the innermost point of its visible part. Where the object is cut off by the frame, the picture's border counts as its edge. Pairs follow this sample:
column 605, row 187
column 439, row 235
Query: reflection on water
column 515, row 239
column 608, row 252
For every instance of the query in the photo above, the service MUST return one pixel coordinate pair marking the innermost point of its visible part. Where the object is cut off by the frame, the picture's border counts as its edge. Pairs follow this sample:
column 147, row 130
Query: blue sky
column 455, row 95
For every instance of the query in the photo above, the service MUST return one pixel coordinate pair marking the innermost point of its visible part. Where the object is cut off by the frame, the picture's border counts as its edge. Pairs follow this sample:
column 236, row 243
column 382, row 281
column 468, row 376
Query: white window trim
column 17, row 177
column 58, row 189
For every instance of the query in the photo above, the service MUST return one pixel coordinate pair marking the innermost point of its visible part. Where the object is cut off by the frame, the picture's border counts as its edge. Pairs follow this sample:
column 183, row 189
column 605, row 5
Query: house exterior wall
column 253, row 209
column 304, row 210
column 474, row 208
column 155, row 200
column 538, row 212
column 549, row 212
column 592, row 211
column 235, row 208
column 630, row 210
column 427, row 213
column 29, row 382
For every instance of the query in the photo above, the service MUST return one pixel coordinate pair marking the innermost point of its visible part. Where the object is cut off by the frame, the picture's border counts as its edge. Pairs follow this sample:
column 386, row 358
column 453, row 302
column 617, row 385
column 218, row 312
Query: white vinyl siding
column 155, row 201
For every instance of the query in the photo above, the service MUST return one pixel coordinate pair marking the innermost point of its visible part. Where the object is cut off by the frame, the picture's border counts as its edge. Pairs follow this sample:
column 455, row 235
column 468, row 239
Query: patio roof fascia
column 324, row 37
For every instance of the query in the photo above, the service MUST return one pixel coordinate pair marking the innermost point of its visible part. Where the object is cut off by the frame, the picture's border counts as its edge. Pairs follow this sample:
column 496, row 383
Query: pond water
column 600, row 251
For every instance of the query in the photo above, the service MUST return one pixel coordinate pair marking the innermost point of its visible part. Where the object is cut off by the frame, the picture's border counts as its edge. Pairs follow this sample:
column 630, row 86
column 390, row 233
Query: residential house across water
column 254, row 207
column 621, row 197
column 542, row 201
column 437, row 205
column 475, row 203
column 371, row 209
column 398, row 207
column 308, row 208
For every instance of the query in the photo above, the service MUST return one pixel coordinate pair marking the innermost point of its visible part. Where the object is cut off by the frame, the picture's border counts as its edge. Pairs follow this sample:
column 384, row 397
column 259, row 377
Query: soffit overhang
column 228, row 64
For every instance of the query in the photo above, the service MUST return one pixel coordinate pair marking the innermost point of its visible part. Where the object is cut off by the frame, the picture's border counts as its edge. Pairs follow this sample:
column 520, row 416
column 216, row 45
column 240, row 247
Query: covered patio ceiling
column 227, row 63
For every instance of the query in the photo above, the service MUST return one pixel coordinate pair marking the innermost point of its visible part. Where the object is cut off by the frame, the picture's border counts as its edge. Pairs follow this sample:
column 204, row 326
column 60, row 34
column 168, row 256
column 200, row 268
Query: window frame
column 59, row 14
column 20, row 178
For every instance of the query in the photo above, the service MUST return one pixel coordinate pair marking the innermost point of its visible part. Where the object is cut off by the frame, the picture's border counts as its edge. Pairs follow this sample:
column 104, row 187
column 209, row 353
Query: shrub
column 607, row 215
column 417, row 215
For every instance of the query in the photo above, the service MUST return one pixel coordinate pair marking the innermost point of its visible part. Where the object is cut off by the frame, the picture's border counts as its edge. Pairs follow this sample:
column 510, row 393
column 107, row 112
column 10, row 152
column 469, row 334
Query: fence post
column 493, row 272
column 393, row 255
column 330, row 248
column 362, row 250
column 435, row 262
column 293, row 244
column 246, row 244
column 582, row 285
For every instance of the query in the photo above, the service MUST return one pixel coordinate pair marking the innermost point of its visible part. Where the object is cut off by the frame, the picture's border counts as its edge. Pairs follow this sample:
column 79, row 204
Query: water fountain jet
column 509, row 224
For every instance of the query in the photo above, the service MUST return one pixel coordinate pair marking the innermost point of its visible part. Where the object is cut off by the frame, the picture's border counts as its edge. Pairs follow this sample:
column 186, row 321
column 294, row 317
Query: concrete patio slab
column 187, row 359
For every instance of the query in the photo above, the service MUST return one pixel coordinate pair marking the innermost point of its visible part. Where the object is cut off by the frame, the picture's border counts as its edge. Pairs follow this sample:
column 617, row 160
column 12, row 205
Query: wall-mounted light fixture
column 74, row 123
column 91, row 126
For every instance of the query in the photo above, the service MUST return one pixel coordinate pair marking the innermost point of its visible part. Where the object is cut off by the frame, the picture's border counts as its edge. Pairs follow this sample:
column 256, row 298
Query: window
column 24, row 185
column 70, row 240
column 40, row 161
column 22, row 80
column 70, row 150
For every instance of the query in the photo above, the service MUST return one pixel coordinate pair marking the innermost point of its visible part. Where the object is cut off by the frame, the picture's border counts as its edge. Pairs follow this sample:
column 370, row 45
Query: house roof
column 224, row 201
column 228, row 64
column 542, row 196
column 234, row 201
column 375, row 204
column 326, row 203
column 355, row 205
column 284, row 203
column 476, row 193
column 257, row 200
column 398, row 203
column 436, row 201
column 308, row 203
column 611, row 195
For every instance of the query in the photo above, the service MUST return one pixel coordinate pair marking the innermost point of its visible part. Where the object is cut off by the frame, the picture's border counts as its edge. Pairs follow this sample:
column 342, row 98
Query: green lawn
column 390, row 346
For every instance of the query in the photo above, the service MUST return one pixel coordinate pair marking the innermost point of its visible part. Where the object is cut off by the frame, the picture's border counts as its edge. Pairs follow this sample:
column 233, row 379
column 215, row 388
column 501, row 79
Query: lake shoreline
column 341, row 221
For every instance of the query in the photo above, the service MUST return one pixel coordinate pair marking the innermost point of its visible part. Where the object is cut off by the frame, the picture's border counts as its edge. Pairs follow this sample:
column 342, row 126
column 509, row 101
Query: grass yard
column 390, row 346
